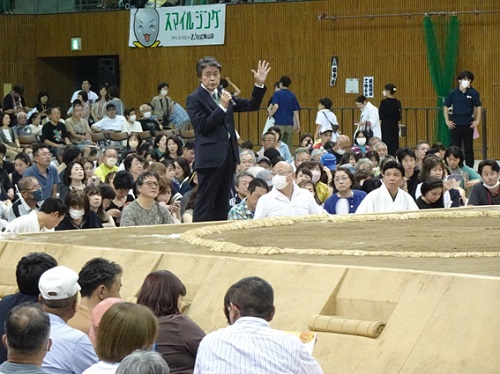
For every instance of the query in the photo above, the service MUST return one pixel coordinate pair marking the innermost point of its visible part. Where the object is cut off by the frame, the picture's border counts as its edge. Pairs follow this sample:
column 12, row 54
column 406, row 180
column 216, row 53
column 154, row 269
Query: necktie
column 216, row 97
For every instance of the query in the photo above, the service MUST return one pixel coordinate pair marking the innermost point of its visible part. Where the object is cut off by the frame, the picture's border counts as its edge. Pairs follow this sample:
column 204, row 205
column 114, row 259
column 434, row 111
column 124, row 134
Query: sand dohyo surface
column 423, row 235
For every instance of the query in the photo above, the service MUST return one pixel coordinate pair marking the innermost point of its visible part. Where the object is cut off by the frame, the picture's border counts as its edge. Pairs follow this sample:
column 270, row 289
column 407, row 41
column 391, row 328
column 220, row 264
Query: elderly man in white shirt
column 249, row 345
column 110, row 122
column 286, row 198
column 369, row 113
column 389, row 197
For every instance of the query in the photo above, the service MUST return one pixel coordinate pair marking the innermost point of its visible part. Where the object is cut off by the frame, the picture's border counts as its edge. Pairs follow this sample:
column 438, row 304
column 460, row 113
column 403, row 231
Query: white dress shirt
column 251, row 346
column 276, row 204
column 380, row 201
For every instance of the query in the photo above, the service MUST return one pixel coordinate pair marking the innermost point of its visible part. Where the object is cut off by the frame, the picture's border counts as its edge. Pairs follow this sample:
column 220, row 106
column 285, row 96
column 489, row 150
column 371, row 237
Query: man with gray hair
column 21, row 128
column 141, row 362
column 247, row 160
column 71, row 352
column 27, row 331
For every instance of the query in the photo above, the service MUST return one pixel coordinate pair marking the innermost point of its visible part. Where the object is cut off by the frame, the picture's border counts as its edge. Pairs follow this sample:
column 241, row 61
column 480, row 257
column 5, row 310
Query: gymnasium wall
column 292, row 38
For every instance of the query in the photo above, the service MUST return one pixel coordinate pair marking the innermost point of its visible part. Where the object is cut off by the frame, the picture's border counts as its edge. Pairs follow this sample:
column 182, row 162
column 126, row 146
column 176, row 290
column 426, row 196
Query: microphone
column 220, row 90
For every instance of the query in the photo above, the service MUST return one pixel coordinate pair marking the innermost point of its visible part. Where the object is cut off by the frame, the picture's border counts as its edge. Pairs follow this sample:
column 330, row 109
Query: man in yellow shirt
column 108, row 163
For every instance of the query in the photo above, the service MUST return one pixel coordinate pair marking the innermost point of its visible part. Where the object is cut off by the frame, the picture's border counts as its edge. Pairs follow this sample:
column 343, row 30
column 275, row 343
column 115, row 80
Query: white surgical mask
column 133, row 143
column 340, row 151
column 132, row 118
column 316, row 174
column 111, row 161
column 76, row 213
column 384, row 93
column 464, row 83
column 163, row 92
column 491, row 187
column 361, row 141
column 280, row 182
column 147, row 114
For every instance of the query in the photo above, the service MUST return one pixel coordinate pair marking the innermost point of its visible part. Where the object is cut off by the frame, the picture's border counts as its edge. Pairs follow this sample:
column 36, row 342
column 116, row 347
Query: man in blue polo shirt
column 285, row 109
column 43, row 171
column 465, row 115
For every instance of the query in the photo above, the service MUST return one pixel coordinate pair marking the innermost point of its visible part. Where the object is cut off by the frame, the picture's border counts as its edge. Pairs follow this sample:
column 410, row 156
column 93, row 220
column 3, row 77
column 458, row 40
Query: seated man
column 246, row 208
column 147, row 121
column 144, row 210
column 30, row 195
column 27, row 331
column 389, row 197
column 342, row 146
column 268, row 141
column 21, row 128
column 249, row 344
column 188, row 152
column 324, row 136
column 71, row 351
column 78, row 127
column 247, row 160
column 45, row 173
column 108, row 164
column 286, row 198
column 51, row 213
column 28, row 272
column 110, row 122
column 54, row 132
column 241, row 182
column 301, row 155
column 130, row 124
column 98, row 279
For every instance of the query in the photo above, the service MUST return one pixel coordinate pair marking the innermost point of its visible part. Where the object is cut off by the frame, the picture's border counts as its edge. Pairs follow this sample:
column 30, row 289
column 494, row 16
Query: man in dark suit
column 210, row 109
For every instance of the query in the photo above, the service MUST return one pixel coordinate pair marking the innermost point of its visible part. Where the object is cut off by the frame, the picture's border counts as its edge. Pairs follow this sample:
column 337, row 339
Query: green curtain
column 442, row 61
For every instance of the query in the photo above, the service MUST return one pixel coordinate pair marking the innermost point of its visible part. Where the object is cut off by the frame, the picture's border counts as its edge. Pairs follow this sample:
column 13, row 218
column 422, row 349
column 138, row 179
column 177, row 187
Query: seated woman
column 79, row 215
column 319, row 176
column 360, row 142
column 73, row 179
column 135, row 164
column 344, row 200
column 8, row 137
column 174, row 146
column 432, row 194
column 183, row 174
column 122, row 183
column 159, row 147
column 433, row 166
column 124, row 327
column 454, row 159
column 21, row 163
column 35, row 123
column 133, row 143
column 100, row 198
column 281, row 146
column 311, row 187
column 178, row 336
column 166, row 199
column 488, row 192
column 348, row 158
column 88, row 169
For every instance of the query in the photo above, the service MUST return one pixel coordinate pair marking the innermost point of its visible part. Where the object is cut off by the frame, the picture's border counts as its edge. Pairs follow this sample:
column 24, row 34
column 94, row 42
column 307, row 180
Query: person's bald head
column 343, row 142
column 283, row 167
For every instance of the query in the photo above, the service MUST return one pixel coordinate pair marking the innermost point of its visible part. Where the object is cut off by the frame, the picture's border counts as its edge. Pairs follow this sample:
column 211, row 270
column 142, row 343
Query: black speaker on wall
column 107, row 71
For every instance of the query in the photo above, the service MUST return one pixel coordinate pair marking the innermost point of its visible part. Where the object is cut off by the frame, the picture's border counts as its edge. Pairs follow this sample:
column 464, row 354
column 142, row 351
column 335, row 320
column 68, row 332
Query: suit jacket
column 212, row 125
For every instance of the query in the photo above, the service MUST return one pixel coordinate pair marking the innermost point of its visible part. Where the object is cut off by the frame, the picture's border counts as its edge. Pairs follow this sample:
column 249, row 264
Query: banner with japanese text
column 177, row 26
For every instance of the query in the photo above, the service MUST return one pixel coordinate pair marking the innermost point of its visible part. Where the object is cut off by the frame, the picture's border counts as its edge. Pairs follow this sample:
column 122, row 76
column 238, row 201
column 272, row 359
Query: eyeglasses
column 152, row 184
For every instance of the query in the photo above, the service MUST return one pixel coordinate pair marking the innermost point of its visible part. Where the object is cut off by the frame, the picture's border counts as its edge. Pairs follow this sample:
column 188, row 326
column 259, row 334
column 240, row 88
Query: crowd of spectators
column 47, row 330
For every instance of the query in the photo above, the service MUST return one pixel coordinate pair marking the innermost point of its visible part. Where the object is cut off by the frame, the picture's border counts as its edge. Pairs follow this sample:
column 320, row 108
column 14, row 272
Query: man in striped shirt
column 249, row 345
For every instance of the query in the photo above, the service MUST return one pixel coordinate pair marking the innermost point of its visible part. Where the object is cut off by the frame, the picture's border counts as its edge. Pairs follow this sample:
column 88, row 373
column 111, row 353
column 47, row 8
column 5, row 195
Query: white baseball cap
column 58, row 283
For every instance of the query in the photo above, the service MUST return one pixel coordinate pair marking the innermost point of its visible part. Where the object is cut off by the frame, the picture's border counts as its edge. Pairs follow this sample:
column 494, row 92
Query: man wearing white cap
column 71, row 351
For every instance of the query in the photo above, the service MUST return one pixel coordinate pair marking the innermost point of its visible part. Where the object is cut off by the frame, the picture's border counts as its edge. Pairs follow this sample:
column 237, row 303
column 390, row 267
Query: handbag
column 335, row 128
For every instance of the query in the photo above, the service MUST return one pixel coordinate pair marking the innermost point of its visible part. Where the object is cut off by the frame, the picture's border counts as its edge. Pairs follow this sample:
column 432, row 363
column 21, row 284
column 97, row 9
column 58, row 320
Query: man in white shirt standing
column 369, row 115
column 326, row 120
column 71, row 351
column 286, row 198
column 389, row 197
column 85, row 87
column 249, row 345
